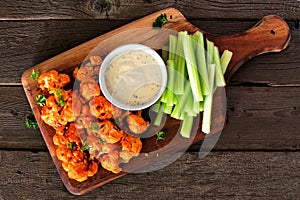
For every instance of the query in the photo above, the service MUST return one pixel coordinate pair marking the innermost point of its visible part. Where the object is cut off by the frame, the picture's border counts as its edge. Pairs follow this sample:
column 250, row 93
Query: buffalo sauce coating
column 133, row 77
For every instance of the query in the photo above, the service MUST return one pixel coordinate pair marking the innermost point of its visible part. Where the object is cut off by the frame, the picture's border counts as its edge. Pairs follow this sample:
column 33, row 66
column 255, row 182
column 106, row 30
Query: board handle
column 270, row 34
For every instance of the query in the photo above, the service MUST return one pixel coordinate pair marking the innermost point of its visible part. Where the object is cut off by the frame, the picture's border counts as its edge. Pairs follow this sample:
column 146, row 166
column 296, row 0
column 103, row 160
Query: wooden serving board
column 271, row 34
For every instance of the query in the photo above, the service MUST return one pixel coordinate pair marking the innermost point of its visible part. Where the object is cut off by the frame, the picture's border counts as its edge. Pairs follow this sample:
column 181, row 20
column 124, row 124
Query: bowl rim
column 131, row 47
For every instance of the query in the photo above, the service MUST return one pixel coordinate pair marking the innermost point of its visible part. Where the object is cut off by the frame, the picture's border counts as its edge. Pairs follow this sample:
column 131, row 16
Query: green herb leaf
column 160, row 135
column 34, row 75
column 30, row 122
column 160, row 21
column 72, row 145
column 94, row 127
column 58, row 93
column 41, row 100
column 85, row 146
column 60, row 102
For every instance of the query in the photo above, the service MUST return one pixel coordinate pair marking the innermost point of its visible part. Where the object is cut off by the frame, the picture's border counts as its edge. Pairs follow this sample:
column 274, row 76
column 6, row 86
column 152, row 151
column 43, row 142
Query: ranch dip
column 133, row 77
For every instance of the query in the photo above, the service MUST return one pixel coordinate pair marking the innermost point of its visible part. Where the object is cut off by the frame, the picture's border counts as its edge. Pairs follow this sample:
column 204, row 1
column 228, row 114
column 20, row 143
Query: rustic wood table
column 257, row 155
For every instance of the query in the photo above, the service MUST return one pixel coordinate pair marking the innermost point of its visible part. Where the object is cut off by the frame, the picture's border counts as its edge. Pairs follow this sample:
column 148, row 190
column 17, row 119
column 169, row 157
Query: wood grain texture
column 13, row 132
column 268, row 35
column 266, row 123
column 261, row 116
column 44, row 39
column 126, row 34
column 220, row 175
column 133, row 9
column 24, row 44
column 263, row 123
column 231, row 9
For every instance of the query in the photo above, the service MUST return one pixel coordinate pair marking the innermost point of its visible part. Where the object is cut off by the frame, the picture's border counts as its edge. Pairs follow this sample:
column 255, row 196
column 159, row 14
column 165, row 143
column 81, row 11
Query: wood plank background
column 25, row 43
column 131, row 9
column 244, row 175
column 257, row 156
column 251, row 126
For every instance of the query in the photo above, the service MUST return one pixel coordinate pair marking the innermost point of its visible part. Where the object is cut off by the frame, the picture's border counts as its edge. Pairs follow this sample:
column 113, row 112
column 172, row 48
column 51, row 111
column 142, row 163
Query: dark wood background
column 258, row 153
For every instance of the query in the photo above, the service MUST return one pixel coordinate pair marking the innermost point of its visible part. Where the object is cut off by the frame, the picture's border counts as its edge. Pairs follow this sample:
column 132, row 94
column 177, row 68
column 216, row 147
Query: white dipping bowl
column 125, row 48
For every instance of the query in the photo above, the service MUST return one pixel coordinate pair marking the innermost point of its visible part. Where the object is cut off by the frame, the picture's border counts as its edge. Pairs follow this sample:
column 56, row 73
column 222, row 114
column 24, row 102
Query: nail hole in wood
column 272, row 32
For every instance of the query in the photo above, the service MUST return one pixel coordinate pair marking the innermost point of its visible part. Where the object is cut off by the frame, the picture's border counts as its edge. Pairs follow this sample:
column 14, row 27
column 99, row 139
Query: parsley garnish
column 61, row 101
column 34, row 75
column 72, row 145
column 85, row 146
column 41, row 100
column 160, row 20
column 94, row 127
column 31, row 122
column 58, row 93
column 160, row 135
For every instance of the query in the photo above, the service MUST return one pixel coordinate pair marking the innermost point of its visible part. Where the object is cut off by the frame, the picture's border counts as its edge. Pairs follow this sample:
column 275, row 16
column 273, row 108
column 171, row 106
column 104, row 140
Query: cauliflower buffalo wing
column 101, row 108
column 52, row 81
column 88, row 129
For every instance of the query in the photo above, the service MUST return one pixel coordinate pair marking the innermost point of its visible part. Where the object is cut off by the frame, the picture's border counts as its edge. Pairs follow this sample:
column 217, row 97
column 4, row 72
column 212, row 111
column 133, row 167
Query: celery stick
column 209, row 52
column 167, row 109
column 192, row 67
column 201, row 62
column 174, row 78
column 176, row 113
column 225, row 59
column 196, row 107
column 170, row 84
column 189, row 104
column 186, row 126
column 201, row 105
column 211, row 76
column 171, row 100
column 195, row 38
column 187, row 94
column 178, row 109
column 187, row 101
column 172, row 46
column 175, row 99
column 192, row 114
column 206, row 120
column 179, row 66
column 220, row 81
column 207, row 111
column 159, row 116
column 163, row 96
column 172, row 56
column 155, row 107
column 182, row 68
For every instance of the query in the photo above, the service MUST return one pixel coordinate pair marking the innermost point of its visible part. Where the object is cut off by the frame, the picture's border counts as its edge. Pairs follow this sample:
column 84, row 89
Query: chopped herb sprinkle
column 40, row 100
column 160, row 20
column 160, row 135
column 85, row 146
column 34, row 75
column 72, row 145
column 31, row 122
